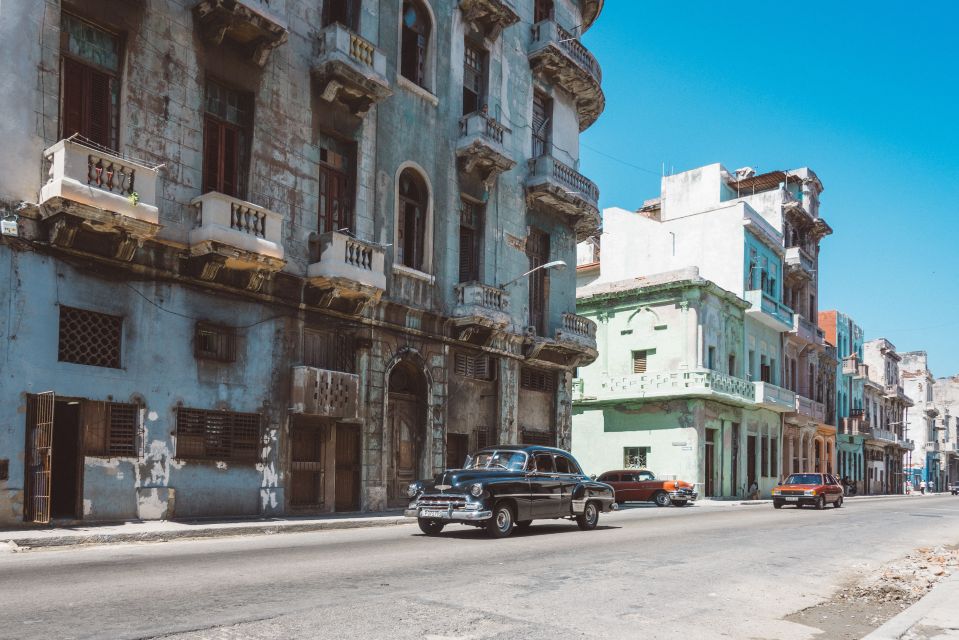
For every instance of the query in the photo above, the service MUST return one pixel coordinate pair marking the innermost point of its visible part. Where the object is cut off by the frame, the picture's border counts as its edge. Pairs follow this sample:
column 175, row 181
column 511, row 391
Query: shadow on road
column 532, row 531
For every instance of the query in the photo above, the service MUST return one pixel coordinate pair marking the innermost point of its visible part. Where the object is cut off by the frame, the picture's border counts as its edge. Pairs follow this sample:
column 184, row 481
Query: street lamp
column 555, row 264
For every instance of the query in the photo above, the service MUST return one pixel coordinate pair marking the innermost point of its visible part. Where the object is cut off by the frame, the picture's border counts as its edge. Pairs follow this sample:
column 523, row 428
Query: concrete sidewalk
column 164, row 530
column 935, row 617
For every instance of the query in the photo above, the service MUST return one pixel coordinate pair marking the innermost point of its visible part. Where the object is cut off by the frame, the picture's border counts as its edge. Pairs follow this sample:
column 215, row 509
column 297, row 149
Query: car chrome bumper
column 451, row 515
column 678, row 495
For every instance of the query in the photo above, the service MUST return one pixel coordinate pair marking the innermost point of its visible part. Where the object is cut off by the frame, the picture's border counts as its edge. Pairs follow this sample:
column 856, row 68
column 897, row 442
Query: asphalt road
column 695, row 572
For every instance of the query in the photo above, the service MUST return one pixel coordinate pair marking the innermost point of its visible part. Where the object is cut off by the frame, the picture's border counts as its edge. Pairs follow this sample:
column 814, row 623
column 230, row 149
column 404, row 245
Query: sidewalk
column 935, row 617
column 164, row 530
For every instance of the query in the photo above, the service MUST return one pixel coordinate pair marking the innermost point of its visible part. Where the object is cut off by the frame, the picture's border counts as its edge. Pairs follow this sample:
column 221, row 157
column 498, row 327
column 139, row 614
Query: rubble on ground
column 907, row 580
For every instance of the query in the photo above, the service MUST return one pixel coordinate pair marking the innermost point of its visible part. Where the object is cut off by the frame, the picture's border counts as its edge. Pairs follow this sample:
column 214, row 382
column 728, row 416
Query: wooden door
column 708, row 462
column 306, row 466
column 457, row 448
column 347, row 479
column 750, row 461
column 39, row 457
column 405, row 420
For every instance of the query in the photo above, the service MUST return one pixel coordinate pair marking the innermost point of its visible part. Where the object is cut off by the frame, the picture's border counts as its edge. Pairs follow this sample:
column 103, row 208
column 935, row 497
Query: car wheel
column 821, row 502
column 777, row 504
column 837, row 503
column 679, row 503
column 662, row 499
column 523, row 525
column 501, row 524
column 430, row 527
column 590, row 516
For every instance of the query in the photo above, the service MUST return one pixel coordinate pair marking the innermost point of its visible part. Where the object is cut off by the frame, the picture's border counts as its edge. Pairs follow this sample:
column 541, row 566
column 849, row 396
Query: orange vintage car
column 640, row 485
column 815, row 489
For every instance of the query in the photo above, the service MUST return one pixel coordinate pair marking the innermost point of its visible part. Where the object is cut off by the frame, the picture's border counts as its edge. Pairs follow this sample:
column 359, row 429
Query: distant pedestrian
column 932, row 486
column 922, row 487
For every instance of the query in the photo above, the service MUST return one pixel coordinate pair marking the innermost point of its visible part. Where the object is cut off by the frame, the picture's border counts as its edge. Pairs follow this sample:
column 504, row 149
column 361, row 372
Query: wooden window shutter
column 95, row 427
column 211, row 154
column 639, row 361
column 98, row 112
column 72, row 99
column 467, row 254
column 231, row 157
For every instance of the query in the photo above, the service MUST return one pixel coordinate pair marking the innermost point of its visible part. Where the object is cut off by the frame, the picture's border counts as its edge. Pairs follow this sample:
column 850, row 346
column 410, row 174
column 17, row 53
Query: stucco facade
column 945, row 398
column 659, row 396
column 245, row 283
column 934, row 451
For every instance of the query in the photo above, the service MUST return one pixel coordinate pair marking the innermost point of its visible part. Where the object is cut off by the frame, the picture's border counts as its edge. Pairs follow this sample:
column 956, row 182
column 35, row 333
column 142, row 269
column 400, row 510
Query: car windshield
column 804, row 478
column 511, row 460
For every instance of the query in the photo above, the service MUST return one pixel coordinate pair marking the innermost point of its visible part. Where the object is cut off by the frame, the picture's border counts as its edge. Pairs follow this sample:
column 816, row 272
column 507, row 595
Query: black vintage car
column 506, row 487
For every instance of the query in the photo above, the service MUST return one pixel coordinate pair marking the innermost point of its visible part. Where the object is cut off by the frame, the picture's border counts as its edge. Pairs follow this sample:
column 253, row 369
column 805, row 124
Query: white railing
column 481, row 295
column 811, row 409
column 579, row 325
column 482, row 125
column 349, row 262
column 236, row 223
column 765, row 303
column 100, row 179
column 578, row 185
column 774, row 396
column 336, row 41
column 548, row 32
column 677, row 383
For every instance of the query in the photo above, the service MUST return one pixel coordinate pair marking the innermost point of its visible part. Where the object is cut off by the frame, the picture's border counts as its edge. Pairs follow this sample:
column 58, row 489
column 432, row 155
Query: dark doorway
column 750, row 462
column 347, row 479
column 709, row 466
column 457, row 448
column 308, row 444
column 406, row 421
column 66, row 465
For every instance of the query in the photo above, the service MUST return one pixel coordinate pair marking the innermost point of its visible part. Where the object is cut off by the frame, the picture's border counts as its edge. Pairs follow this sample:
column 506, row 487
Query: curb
column 939, row 600
column 23, row 544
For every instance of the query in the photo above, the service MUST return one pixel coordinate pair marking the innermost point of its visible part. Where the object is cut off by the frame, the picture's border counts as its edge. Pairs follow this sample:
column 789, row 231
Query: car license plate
column 431, row 513
column 792, row 499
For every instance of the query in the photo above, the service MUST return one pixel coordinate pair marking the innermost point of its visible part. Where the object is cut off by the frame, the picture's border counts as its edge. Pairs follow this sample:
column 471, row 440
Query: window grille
column 479, row 367
column 470, row 234
column 474, row 79
column 541, row 438
column 329, row 350
column 90, row 338
column 639, row 361
column 482, row 438
column 110, row 429
column 215, row 342
column 537, row 380
column 217, row 435
column 635, row 457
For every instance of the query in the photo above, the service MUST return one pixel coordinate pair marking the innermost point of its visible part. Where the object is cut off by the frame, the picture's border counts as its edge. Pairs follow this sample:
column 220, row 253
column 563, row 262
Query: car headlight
column 809, row 492
column 413, row 489
column 476, row 490
column 775, row 492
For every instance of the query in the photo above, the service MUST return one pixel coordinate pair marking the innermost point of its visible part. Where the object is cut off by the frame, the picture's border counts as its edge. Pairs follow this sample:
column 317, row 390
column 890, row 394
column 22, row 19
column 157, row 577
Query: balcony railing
column 774, row 397
column 479, row 304
column 579, row 325
column 806, row 330
column 769, row 311
column 698, row 383
column 850, row 366
column 483, row 146
column 251, row 232
column 893, row 390
column 798, row 258
column 815, row 411
column 350, row 69
column 564, row 191
column 559, row 56
column 353, row 267
column 100, row 181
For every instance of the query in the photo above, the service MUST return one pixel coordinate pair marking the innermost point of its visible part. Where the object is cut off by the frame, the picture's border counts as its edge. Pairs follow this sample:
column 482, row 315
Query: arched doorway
column 406, row 421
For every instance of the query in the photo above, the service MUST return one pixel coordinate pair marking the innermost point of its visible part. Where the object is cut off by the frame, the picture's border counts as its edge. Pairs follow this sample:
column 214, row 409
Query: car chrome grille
column 442, row 501
column 788, row 492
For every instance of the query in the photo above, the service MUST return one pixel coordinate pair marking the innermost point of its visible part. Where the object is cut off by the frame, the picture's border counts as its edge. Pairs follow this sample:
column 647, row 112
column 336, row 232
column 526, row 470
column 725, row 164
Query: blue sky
column 867, row 95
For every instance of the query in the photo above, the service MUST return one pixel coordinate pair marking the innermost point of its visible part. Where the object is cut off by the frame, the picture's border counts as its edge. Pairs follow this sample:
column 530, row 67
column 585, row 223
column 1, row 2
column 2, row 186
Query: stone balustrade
column 808, row 408
column 701, row 383
column 250, row 231
column 483, row 145
column 350, row 69
column 353, row 267
column 774, row 397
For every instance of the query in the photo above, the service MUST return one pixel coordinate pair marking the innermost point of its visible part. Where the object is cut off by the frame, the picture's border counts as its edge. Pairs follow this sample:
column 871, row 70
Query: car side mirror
column 592, row 477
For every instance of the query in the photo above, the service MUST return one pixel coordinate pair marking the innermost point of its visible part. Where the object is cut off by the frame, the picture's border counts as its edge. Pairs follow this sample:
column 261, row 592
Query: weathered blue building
column 267, row 256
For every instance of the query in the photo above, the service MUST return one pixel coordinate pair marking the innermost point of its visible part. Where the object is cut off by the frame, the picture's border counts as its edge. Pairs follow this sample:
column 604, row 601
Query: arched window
column 412, row 220
column 415, row 42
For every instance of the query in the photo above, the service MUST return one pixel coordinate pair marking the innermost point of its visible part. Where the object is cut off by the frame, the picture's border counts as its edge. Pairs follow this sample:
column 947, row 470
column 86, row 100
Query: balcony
column 350, row 70
column 664, row 385
column 776, row 398
column 256, row 31
column 799, row 264
column 479, row 311
column 235, row 234
column 324, row 393
column 564, row 192
column 809, row 410
column 482, row 147
column 885, row 436
column 806, row 330
column 908, row 445
column 768, row 311
column 347, row 267
column 573, row 344
column 101, row 191
column 489, row 17
column 559, row 57
column 856, row 425
column 850, row 366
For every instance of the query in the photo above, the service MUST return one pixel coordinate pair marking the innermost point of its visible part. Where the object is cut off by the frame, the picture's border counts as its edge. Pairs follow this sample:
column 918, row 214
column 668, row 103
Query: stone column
column 508, row 409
